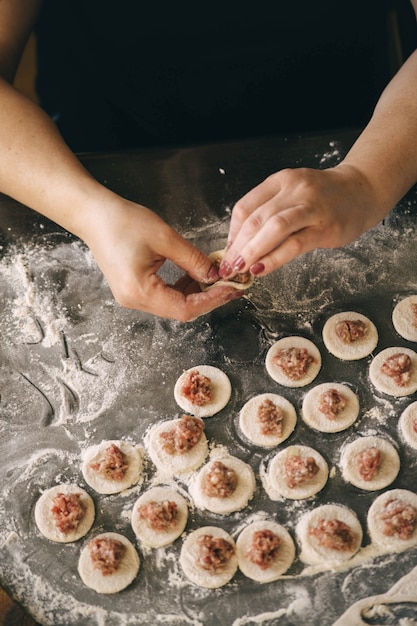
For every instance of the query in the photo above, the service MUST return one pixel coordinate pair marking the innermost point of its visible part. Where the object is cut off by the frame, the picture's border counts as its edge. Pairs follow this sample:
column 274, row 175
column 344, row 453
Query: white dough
column 375, row 525
column 216, row 258
column 150, row 537
column 312, row 552
column 45, row 520
column 317, row 420
column 274, row 481
column 104, row 485
column 221, row 391
column 283, row 560
column 406, row 424
column 385, row 383
column 387, row 472
column 251, row 428
column 404, row 320
column 356, row 350
column 237, row 500
column 285, row 343
column 196, row 574
column 110, row 583
column 174, row 464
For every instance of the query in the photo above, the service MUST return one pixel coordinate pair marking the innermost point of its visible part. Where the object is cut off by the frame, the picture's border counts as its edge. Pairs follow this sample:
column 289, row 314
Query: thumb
column 192, row 260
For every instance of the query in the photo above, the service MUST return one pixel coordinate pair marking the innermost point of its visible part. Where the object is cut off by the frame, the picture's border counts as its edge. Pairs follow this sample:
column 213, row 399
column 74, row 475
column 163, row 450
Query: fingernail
column 258, row 268
column 239, row 264
column 213, row 274
column 225, row 269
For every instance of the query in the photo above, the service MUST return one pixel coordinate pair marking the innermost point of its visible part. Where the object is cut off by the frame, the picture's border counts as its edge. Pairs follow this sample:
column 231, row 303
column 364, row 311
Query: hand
column 295, row 211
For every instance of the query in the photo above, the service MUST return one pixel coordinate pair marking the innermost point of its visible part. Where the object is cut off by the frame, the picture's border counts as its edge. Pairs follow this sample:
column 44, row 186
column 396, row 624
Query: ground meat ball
column 299, row 469
column 112, row 464
column 184, row 436
column 332, row 403
column 159, row 515
column 264, row 548
column 414, row 313
column 415, row 424
column 294, row 362
column 106, row 554
column 369, row 462
column 271, row 418
column 398, row 367
column 197, row 388
column 67, row 511
column 333, row 534
column 400, row 519
column 220, row 481
column 213, row 553
column 349, row 331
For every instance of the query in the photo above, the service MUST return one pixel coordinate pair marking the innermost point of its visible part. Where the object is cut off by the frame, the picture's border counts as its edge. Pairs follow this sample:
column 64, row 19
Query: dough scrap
column 150, row 537
column 282, row 561
column 406, row 424
column 216, row 258
column 385, row 383
column 317, row 420
column 45, row 520
column 356, row 350
column 285, row 343
column 221, row 390
column 404, row 319
column 387, row 472
column 104, row 485
column 251, row 428
column 196, row 574
column 375, row 525
column 110, row 583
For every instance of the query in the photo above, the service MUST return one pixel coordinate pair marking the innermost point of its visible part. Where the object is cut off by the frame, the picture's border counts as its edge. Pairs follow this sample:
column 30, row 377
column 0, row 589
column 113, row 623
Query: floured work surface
column 77, row 369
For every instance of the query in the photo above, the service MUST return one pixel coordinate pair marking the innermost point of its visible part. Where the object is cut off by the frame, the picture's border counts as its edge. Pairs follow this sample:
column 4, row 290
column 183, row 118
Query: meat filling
column 213, row 553
column 399, row 519
column 398, row 367
column 350, row 331
column 414, row 313
column 264, row 548
column 197, row 388
column 369, row 462
column 159, row 516
column 220, row 481
column 334, row 535
column 271, row 418
column 294, row 362
column 298, row 470
column 184, row 436
column 106, row 554
column 68, row 511
column 332, row 403
column 112, row 464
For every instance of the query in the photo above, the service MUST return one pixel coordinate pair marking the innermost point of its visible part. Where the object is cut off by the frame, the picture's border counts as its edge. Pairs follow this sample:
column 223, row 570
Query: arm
column 295, row 211
column 129, row 242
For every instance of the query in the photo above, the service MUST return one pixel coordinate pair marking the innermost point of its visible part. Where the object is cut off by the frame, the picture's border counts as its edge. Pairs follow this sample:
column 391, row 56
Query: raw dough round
column 312, row 552
column 251, row 428
column 282, row 561
column 45, row 520
column 408, row 424
column 356, row 350
column 150, row 537
column 221, row 391
column 216, row 257
column 318, row 420
column 198, row 575
column 385, row 383
column 110, row 583
column 376, row 526
column 104, row 485
column 275, row 484
column 237, row 500
column 277, row 374
column 404, row 318
column 388, row 469
column 174, row 464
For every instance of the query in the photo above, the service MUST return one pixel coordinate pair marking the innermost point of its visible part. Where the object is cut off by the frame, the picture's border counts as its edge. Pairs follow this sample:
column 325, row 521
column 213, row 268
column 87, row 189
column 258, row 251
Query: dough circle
column 356, row 350
column 221, row 390
column 237, row 500
column 317, row 420
column 282, row 561
column 275, row 484
column 150, row 537
column 314, row 554
column 385, row 383
column 404, row 319
column 251, row 428
column 104, row 485
column 110, row 583
column 376, row 526
column 45, row 520
column 406, row 424
column 196, row 574
column 285, row 343
column 174, row 464
column 388, row 470
column 216, row 258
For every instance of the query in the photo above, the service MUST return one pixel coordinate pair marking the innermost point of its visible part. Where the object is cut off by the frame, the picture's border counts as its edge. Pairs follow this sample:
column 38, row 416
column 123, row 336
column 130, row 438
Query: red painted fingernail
column 239, row 264
column 258, row 268
column 225, row 269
